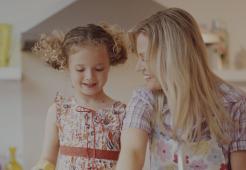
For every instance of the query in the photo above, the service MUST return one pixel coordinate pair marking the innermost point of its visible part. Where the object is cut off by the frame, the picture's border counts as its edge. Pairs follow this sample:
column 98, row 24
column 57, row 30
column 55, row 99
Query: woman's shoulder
column 234, row 98
column 231, row 93
column 144, row 94
column 139, row 110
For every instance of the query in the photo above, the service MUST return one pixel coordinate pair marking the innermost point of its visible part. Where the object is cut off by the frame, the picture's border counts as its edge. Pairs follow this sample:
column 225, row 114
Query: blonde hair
column 57, row 47
column 178, row 58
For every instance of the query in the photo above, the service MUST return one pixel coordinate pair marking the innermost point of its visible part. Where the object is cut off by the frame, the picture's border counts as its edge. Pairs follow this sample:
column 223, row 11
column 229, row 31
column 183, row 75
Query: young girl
column 83, row 131
column 193, row 119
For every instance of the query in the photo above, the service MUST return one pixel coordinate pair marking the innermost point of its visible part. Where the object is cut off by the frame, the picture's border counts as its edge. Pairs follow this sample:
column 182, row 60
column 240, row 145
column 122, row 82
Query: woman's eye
column 141, row 57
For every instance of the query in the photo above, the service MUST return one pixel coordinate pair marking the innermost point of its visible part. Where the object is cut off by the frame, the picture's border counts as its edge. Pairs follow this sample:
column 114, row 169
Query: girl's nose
column 88, row 74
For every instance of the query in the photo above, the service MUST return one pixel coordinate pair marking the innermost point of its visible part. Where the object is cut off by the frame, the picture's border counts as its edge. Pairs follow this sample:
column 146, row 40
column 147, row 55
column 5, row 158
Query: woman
column 192, row 119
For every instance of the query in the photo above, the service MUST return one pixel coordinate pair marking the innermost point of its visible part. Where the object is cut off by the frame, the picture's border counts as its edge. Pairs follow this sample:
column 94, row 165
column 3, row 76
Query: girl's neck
column 96, row 101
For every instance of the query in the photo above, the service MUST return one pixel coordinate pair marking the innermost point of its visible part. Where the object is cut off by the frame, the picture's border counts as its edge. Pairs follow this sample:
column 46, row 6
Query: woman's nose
column 139, row 65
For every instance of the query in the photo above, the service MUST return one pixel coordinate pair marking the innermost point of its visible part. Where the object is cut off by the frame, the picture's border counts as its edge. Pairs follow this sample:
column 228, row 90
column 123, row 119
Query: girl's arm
column 133, row 148
column 51, row 142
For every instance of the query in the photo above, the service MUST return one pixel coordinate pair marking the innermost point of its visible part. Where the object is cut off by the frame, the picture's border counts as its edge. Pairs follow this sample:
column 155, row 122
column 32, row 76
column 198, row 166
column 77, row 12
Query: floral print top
column 169, row 154
column 82, row 128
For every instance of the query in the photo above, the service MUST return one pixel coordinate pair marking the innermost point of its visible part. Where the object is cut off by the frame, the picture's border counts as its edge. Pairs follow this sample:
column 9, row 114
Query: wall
column 122, row 12
column 21, row 11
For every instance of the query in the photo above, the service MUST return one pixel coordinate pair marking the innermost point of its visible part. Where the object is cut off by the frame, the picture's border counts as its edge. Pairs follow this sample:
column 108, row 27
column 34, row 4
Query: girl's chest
column 89, row 121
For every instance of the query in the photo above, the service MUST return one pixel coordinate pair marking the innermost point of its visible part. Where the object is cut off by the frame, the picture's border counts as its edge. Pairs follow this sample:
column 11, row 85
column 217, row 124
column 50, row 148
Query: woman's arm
column 136, row 130
column 51, row 142
column 133, row 148
column 238, row 160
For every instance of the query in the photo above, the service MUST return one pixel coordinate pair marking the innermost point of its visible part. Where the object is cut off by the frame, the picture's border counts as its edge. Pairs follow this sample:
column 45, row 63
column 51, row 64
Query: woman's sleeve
column 239, row 135
column 139, row 110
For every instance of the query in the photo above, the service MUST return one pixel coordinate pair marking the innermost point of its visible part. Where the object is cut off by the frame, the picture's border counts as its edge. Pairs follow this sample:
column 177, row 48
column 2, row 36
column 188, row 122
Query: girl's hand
column 44, row 165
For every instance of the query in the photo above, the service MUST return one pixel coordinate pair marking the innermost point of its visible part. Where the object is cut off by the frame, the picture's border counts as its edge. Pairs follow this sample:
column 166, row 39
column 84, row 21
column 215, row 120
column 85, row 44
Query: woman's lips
column 147, row 77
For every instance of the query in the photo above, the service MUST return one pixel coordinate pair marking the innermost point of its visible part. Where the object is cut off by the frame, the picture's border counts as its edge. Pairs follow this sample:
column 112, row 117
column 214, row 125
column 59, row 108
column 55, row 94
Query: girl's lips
column 89, row 85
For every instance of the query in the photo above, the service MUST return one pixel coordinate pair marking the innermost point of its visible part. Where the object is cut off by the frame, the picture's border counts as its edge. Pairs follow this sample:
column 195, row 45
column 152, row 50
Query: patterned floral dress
column 89, row 139
column 167, row 153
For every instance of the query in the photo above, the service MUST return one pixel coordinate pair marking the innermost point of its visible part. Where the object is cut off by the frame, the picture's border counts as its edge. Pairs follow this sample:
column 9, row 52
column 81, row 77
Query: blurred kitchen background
column 28, row 86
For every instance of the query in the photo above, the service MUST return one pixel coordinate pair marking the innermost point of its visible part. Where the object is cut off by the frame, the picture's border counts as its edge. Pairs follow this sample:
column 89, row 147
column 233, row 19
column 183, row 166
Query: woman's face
column 142, row 65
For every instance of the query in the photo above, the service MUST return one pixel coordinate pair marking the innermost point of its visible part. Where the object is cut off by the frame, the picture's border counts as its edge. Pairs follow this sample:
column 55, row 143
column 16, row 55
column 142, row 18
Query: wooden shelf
column 231, row 75
column 238, row 76
column 14, row 70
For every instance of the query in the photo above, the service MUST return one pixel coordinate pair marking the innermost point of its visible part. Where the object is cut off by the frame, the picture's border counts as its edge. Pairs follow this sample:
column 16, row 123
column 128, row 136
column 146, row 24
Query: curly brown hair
column 57, row 47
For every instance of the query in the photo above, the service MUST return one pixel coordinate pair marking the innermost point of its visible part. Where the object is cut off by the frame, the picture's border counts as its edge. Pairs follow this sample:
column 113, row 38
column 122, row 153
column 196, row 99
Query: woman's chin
column 152, row 85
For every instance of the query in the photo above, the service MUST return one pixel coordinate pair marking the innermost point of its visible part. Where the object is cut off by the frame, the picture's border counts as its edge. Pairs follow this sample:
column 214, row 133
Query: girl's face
column 142, row 65
column 89, row 69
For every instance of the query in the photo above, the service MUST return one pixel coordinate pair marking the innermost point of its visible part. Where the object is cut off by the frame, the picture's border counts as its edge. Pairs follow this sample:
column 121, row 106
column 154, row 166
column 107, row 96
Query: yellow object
column 44, row 165
column 5, row 43
column 13, row 164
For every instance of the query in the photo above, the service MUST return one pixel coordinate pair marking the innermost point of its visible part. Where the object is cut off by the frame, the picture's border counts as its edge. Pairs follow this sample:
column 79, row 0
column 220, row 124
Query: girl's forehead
column 90, row 55
column 86, row 46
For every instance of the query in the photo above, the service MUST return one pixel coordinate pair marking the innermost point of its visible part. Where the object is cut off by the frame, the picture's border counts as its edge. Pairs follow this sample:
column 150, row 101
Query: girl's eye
column 99, row 69
column 80, row 69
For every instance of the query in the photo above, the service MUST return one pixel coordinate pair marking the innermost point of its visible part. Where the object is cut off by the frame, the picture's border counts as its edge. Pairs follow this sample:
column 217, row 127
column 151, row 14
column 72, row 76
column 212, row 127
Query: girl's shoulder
column 62, row 99
column 59, row 98
column 63, row 103
column 119, row 107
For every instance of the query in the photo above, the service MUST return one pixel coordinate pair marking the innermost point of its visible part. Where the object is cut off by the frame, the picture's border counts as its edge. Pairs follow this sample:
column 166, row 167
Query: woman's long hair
column 178, row 58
